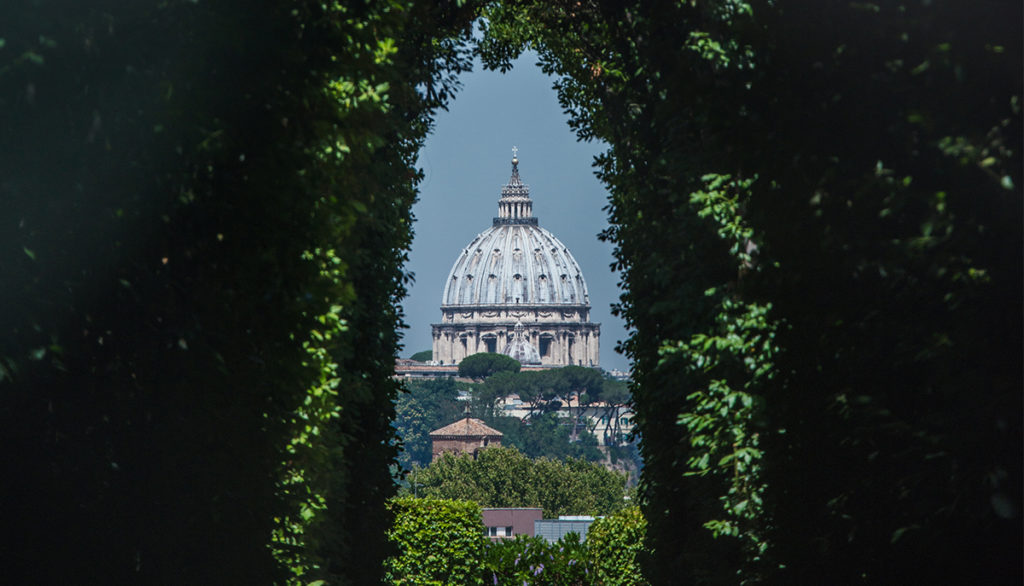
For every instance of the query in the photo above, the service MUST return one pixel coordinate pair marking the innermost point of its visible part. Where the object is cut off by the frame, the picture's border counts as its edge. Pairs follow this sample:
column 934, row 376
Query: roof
column 466, row 426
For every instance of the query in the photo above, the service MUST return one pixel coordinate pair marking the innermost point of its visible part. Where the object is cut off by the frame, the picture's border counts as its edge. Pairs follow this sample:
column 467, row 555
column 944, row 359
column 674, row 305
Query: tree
column 578, row 386
column 615, row 548
column 438, row 542
column 546, row 435
column 484, row 364
column 423, row 356
column 484, row 396
column 616, row 396
column 425, row 405
column 538, row 389
column 503, row 477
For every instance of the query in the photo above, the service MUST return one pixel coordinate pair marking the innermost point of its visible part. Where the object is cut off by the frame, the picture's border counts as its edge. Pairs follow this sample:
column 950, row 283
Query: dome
column 515, row 261
column 520, row 348
column 516, row 289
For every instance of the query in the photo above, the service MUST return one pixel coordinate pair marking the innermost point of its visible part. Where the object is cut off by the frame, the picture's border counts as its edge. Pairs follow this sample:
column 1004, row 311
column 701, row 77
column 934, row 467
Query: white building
column 516, row 272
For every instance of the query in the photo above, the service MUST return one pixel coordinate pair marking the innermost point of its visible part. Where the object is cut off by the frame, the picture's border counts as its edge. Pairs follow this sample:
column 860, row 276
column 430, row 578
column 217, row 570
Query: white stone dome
column 515, row 264
column 515, row 261
column 516, row 289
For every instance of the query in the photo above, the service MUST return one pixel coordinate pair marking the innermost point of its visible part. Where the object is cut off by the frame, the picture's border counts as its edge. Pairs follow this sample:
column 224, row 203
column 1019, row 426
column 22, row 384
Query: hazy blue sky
column 466, row 162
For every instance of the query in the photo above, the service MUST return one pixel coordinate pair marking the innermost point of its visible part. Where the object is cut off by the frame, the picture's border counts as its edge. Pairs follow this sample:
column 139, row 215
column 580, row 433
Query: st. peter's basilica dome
column 516, row 271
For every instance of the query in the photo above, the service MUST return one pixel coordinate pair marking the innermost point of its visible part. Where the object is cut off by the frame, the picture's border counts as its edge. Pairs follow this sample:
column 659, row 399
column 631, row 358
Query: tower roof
column 466, row 427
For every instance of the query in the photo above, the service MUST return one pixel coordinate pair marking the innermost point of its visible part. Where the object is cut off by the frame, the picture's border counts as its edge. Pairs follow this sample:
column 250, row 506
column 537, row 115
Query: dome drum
column 556, row 344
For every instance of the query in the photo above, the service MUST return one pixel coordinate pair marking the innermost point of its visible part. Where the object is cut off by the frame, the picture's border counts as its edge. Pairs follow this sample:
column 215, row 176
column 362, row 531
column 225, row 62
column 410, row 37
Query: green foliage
column 503, row 477
column 484, row 364
column 439, row 542
column 615, row 546
column 425, row 406
column 423, row 356
column 820, row 284
column 547, row 435
column 532, row 560
column 431, row 404
column 738, row 364
column 206, row 211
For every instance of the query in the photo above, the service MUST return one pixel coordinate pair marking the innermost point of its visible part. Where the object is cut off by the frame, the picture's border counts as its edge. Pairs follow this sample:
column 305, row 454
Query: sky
column 467, row 160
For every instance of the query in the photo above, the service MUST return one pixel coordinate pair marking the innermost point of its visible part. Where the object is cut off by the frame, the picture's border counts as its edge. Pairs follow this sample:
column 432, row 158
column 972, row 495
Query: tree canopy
column 485, row 364
column 504, row 477
column 423, row 356
column 425, row 405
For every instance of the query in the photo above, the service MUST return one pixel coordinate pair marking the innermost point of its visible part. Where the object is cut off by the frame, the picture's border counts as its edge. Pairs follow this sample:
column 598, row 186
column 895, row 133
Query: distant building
column 507, row 523
column 465, row 436
column 554, row 529
column 405, row 368
column 516, row 289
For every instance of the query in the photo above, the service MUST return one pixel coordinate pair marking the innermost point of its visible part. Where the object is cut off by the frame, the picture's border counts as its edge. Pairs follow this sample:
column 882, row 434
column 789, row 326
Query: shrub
column 615, row 545
column 532, row 560
column 439, row 542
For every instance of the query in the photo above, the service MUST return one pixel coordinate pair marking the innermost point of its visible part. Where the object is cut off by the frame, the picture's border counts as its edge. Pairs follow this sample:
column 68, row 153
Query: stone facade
column 513, row 273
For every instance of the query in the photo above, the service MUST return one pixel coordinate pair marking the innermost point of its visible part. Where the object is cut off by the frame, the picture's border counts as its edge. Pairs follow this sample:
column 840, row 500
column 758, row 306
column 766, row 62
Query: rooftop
column 466, row 426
